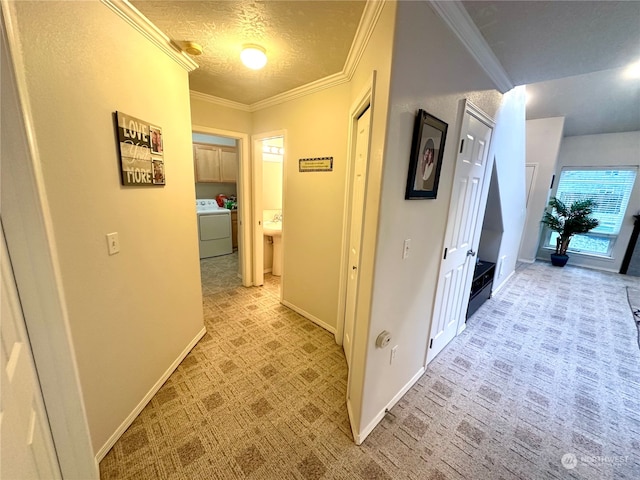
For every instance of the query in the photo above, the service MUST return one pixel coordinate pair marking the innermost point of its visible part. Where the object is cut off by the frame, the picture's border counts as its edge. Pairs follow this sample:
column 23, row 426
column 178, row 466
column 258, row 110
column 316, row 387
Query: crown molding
column 372, row 10
column 205, row 97
column 313, row 87
column 137, row 20
column 460, row 23
column 367, row 24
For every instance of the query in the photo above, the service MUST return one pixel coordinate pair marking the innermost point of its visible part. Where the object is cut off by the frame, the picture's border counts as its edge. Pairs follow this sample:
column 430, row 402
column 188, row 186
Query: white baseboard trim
column 527, row 260
column 308, row 316
column 503, row 283
column 351, row 422
column 360, row 437
column 147, row 398
column 579, row 265
column 462, row 328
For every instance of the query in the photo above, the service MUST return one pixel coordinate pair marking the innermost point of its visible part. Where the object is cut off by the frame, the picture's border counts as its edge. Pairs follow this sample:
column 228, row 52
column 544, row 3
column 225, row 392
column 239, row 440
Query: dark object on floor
column 481, row 286
column 559, row 260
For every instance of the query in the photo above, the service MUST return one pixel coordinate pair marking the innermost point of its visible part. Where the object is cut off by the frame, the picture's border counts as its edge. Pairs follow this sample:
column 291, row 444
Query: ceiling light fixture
column 193, row 48
column 253, row 56
column 633, row 70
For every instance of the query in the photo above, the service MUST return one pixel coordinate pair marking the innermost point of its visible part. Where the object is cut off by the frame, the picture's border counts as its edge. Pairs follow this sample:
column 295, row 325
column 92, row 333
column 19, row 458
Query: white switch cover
column 394, row 351
column 113, row 243
column 405, row 249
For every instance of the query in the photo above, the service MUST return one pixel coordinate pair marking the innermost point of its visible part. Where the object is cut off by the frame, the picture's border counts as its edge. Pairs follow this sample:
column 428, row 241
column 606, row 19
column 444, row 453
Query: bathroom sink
column 272, row 229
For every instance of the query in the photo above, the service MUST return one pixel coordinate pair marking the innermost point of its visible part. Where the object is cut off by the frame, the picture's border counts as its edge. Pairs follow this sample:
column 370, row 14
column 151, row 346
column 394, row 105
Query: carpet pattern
column 544, row 383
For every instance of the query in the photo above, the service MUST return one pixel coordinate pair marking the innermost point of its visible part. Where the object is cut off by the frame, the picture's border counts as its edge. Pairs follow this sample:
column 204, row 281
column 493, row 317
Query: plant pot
column 559, row 260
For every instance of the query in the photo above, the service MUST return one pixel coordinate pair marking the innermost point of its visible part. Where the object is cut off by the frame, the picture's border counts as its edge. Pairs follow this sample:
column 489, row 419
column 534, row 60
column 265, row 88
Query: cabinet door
column 229, row 162
column 207, row 161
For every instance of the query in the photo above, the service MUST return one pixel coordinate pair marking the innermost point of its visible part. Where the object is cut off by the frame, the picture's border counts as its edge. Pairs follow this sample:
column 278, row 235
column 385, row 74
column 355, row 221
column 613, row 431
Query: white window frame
column 546, row 236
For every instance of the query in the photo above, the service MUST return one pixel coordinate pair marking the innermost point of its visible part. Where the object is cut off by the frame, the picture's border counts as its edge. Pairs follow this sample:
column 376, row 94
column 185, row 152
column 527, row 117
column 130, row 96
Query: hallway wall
column 316, row 126
column 131, row 314
column 208, row 114
column 543, row 137
column 508, row 146
column 433, row 71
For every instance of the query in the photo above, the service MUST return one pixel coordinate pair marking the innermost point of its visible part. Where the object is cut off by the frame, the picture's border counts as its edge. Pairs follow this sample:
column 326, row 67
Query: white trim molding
column 219, row 101
column 364, row 433
column 147, row 398
column 456, row 17
column 368, row 21
column 308, row 316
column 142, row 24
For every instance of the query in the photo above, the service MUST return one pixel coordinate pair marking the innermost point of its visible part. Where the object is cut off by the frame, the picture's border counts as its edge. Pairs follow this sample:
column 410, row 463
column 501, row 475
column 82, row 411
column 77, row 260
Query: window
column 611, row 189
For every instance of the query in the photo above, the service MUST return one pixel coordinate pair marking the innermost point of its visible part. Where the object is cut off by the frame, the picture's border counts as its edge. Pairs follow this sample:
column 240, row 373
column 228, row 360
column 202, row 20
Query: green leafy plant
column 569, row 221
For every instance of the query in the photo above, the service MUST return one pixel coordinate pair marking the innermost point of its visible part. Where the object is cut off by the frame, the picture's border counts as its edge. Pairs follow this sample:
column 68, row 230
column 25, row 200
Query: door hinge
column 431, row 343
column 462, row 145
column 445, row 254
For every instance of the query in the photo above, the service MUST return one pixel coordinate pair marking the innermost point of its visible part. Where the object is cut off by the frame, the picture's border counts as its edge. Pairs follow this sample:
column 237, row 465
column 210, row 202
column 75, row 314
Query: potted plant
column 568, row 221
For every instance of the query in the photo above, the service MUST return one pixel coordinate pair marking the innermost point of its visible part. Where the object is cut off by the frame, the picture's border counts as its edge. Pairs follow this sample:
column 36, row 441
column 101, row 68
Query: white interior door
column 27, row 447
column 361, row 162
column 463, row 233
column 258, row 232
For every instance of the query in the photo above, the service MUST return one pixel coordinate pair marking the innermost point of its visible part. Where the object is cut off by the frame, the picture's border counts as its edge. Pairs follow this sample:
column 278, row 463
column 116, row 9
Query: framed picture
column 427, row 149
column 156, row 140
column 141, row 151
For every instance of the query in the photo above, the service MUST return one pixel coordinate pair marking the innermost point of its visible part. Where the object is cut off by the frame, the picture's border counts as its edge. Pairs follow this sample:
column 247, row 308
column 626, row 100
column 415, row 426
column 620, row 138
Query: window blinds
column 611, row 189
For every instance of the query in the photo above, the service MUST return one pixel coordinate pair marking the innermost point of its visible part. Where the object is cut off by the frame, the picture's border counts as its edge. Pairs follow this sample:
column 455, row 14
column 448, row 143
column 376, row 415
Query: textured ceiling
column 599, row 102
column 305, row 41
column 545, row 40
column 569, row 54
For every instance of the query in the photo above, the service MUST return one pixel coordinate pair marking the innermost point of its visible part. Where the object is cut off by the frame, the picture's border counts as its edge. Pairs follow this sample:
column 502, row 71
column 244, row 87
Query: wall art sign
column 427, row 149
column 141, row 151
column 320, row 164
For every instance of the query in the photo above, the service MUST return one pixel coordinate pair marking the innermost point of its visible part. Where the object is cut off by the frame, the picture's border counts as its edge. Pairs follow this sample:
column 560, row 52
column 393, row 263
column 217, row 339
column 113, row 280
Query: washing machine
column 214, row 228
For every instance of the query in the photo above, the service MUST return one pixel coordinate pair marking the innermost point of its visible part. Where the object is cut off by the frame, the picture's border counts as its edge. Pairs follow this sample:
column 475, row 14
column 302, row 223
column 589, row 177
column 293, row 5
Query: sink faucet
column 277, row 217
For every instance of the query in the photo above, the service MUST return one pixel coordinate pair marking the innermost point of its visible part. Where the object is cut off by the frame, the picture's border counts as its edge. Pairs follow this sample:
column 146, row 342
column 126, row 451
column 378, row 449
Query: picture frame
column 427, row 151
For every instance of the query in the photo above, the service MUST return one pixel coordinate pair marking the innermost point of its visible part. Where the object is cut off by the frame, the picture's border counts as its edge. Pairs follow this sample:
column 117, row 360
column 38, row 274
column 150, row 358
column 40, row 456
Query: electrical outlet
column 405, row 248
column 113, row 243
column 394, row 351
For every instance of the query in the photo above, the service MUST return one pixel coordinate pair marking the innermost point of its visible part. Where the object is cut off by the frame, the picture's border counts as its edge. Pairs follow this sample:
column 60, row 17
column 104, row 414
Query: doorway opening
column 268, row 162
column 222, row 207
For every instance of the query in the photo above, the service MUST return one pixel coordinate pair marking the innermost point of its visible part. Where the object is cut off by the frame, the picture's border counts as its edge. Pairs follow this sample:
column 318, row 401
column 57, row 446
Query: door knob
column 471, row 253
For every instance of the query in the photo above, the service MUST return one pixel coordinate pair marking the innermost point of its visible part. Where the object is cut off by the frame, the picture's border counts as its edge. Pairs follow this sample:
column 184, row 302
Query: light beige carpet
column 543, row 384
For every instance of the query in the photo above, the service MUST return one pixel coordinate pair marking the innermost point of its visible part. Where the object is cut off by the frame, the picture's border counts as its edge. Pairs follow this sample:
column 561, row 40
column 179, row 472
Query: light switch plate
column 113, row 243
column 405, row 248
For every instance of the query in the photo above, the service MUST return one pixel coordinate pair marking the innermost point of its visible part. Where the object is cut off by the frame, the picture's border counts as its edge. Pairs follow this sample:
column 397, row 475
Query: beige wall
column 272, row 183
column 431, row 70
column 316, row 126
column 131, row 314
column 207, row 114
column 508, row 149
column 376, row 58
column 543, row 144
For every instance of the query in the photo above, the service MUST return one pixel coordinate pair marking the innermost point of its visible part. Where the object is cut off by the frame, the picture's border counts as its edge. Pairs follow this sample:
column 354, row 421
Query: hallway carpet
column 543, row 384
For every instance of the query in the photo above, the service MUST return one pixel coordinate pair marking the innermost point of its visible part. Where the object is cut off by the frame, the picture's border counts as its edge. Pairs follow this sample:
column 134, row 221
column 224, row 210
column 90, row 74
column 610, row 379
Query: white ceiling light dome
column 253, row 56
